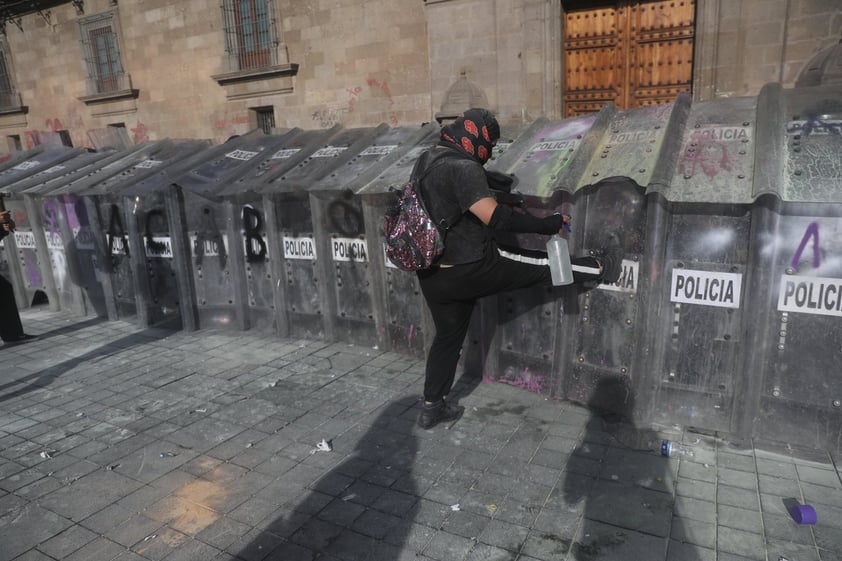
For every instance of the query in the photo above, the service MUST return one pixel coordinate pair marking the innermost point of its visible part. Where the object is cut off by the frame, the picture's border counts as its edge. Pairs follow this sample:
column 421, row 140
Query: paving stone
column 737, row 497
column 445, row 546
column 378, row 525
column 779, row 528
column 679, row 551
column 133, row 530
column 253, row 510
column 25, row 527
column 616, row 544
column 776, row 467
column 505, row 535
column 223, row 532
column 465, row 524
column 821, row 495
column 687, row 530
column 828, row 538
column 695, row 509
column 640, row 509
column 88, row 494
column 789, row 550
column 485, row 552
column 533, row 478
column 100, row 548
column 739, row 542
column 34, row 555
column 824, row 477
column 160, row 545
column 737, row 478
column 737, row 462
column 739, row 518
column 107, row 519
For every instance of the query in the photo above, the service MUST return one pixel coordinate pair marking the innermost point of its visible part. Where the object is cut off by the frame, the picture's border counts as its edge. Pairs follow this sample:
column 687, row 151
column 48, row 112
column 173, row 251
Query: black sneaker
column 22, row 338
column 611, row 261
column 438, row 412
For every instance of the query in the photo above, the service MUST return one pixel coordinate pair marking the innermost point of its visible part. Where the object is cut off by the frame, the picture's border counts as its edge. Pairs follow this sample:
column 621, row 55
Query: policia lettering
column 209, row 233
column 255, row 246
column 117, row 233
column 707, row 288
column 811, row 295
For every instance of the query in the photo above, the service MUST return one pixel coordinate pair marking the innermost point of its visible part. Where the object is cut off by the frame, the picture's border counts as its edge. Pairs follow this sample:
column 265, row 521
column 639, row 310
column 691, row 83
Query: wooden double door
column 631, row 53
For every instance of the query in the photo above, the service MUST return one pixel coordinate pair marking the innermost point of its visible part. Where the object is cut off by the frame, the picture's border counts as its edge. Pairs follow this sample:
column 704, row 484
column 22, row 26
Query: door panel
column 631, row 53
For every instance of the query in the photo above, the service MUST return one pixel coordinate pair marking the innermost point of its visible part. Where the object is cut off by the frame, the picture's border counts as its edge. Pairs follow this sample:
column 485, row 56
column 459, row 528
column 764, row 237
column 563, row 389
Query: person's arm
column 502, row 217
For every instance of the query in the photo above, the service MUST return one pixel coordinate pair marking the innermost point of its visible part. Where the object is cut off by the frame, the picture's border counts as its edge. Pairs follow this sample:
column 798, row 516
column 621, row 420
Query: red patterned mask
column 475, row 132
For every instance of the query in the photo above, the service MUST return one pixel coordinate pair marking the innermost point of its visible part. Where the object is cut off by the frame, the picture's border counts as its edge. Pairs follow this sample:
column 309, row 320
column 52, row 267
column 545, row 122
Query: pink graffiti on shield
column 33, row 274
column 708, row 155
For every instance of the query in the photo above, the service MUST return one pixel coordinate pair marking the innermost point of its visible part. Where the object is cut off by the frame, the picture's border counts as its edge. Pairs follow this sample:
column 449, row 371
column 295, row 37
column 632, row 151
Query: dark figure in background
column 11, row 329
column 457, row 189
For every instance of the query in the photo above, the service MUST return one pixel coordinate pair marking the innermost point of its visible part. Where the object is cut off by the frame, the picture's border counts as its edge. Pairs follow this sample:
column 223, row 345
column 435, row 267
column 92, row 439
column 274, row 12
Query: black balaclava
column 473, row 133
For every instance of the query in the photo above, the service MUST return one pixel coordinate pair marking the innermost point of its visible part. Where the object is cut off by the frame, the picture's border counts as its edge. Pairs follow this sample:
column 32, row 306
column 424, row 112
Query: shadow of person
column 363, row 508
column 26, row 383
column 84, row 266
column 620, row 490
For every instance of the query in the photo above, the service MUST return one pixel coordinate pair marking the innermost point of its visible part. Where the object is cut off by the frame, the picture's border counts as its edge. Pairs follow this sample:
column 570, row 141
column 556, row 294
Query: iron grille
column 265, row 119
column 100, row 45
column 8, row 96
column 251, row 35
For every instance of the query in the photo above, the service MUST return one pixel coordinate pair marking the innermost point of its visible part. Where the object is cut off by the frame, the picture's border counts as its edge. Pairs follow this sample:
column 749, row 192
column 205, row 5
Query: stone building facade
column 87, row 72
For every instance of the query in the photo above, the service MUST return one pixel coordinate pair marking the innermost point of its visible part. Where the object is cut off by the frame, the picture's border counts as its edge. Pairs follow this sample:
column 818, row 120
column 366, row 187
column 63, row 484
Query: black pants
column 452, row 292
column 10, row 326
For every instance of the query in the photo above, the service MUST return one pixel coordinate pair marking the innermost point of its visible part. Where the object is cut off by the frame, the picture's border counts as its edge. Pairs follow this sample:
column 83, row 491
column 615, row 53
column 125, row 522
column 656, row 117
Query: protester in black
column 11, row 329
column 472, row 266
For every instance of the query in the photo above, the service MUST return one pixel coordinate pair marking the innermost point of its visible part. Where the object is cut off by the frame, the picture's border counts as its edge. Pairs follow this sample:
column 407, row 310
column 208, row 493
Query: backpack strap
column 423, row 162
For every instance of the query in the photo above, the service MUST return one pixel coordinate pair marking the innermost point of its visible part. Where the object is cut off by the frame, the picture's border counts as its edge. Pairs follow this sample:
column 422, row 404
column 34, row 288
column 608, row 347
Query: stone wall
column 744, row 44
column 364, row 63
column 359, row 63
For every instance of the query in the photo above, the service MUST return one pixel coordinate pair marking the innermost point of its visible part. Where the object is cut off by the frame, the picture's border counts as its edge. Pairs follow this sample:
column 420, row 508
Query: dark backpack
column 413, row 240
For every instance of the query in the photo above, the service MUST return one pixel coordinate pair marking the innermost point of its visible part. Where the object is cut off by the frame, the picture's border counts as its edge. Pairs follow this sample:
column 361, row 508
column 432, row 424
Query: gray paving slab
column 118, row 442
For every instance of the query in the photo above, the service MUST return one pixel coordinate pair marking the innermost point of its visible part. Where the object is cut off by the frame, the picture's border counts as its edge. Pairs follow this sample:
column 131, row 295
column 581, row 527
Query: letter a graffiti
column 811, row 232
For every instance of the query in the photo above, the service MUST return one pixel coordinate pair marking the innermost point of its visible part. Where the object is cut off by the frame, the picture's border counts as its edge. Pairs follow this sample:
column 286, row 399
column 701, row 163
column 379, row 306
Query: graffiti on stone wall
column 329, row 116
column 56, row 133
column 226, row 126
column 140, row 133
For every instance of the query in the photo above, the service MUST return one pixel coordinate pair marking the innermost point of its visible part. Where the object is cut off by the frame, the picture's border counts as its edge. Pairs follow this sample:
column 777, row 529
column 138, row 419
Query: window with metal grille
column 100, row 44
column 8, row 96
column 265, row 117
column 251, row 35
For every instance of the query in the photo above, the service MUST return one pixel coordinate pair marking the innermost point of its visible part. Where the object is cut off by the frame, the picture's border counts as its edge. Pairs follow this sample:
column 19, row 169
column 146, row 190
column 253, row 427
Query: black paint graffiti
column 816, row 125
column 344, row 218
column 252, row 224
column 156, row 247
column 116, row 231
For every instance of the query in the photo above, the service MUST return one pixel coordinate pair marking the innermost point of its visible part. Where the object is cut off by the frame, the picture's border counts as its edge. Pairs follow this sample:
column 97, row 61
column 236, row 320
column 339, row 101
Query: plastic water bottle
column 559, row 258
column 671, row 449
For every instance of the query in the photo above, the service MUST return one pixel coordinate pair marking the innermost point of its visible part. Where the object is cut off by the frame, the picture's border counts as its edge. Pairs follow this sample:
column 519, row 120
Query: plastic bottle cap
column 803, row 514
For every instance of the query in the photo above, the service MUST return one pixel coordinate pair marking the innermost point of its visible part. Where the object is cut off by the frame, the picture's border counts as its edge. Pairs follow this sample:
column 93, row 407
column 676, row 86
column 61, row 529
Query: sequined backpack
column 413, row 240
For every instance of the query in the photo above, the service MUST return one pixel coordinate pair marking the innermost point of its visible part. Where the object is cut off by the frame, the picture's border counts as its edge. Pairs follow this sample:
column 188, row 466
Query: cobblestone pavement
column 124, row 443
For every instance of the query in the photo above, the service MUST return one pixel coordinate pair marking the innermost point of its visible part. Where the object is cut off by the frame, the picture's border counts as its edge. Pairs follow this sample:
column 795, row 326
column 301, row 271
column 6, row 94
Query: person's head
column 476, row 131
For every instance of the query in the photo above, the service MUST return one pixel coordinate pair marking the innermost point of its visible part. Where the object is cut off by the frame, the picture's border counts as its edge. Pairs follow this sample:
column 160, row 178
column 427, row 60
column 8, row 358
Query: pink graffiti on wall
column 140, row 133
